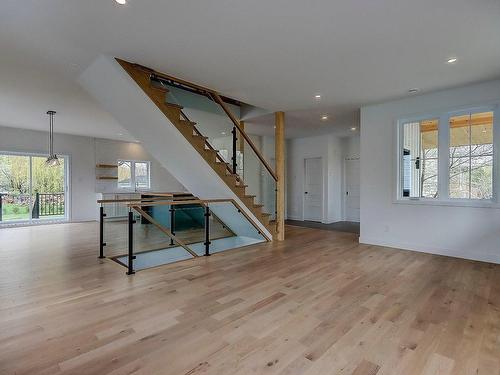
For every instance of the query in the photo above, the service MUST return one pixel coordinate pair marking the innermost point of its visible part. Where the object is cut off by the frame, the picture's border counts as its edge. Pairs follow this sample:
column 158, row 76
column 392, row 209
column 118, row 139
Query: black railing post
column 1, row 209
column 172, row 223
column 35, row 213
column 131, row 256
column 207, row 231
column 235, row 139
column 102, row 215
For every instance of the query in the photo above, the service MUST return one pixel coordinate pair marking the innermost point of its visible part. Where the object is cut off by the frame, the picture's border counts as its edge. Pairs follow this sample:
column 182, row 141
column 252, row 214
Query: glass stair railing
column 214, row 124
column 142, row 234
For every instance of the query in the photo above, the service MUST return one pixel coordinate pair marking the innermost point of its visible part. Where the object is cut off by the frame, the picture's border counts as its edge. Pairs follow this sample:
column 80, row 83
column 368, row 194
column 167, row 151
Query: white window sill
column 452, row 202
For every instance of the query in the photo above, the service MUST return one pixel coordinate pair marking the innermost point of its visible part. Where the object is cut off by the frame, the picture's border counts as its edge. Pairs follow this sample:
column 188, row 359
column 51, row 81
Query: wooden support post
column 280, row 173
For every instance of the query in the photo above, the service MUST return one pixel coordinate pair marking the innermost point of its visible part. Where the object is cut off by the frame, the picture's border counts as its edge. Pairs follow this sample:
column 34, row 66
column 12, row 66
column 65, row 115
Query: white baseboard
column 483, row 257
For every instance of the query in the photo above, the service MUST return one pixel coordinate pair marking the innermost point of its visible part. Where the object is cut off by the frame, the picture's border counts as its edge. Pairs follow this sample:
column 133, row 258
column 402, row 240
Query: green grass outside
column 20, row 212
column 15, row 212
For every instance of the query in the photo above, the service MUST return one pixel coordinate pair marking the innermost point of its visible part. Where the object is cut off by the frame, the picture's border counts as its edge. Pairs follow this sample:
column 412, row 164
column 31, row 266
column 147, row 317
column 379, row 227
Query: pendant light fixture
column 52, row 160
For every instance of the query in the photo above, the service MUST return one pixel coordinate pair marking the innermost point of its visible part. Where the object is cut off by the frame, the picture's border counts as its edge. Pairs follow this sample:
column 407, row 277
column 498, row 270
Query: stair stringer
column 118, row 94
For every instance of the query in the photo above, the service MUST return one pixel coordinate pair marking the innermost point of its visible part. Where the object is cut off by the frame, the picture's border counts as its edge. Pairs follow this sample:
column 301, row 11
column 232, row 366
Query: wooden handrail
column 124, row 200
column 218, row 100
column 216, row 97
column 165, row 202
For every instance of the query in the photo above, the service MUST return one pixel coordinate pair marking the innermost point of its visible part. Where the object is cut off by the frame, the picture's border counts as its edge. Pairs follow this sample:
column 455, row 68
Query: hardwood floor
column 318, row 303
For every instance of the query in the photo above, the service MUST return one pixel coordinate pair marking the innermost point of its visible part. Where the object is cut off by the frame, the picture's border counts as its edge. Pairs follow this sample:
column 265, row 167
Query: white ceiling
column 26, row 95
column 273, row 54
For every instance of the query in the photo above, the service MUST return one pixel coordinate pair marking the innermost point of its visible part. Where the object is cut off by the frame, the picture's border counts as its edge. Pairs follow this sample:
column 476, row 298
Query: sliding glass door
column 31, row 191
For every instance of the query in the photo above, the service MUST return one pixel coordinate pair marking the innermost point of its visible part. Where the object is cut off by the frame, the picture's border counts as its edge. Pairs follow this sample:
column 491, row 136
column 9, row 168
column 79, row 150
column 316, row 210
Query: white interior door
column 313, row 189
column 352, row 189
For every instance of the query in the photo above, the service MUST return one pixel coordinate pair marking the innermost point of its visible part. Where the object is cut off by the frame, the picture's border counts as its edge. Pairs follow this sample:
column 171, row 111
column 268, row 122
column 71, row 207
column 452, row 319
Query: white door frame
column 344, row 186
column 321, row 219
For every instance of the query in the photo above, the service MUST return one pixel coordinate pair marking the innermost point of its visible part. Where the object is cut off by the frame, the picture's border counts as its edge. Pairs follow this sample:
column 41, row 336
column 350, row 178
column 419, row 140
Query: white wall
column 109, row 151
column 468, row 232
column 84, row 153
column 350, row 150
column 329, row 148
column 351, row 147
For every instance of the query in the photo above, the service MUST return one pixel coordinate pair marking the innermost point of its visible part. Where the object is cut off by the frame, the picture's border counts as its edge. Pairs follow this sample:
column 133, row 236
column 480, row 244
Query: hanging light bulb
column 52, row 160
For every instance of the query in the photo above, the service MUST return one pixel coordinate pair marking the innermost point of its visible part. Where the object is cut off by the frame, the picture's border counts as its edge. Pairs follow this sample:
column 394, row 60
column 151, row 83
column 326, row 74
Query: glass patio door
column 14, row 188
column 31, row 191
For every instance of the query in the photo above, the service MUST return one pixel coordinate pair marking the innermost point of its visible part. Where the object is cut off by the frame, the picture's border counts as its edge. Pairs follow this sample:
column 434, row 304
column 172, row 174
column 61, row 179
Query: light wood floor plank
column 317, row 303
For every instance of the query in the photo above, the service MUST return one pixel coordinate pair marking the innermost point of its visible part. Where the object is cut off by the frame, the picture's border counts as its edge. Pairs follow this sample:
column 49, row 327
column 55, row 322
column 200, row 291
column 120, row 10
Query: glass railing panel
column 115, row 228
column 186, row 221
column 154, row 241
column 210, row 119
column 260, row 183
column 235, row 221
column 163, row 232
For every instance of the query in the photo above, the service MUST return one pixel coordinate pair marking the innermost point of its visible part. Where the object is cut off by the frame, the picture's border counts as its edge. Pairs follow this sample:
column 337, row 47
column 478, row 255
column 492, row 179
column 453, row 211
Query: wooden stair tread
column 162, row 89
column 187, row 123
column 173, row 105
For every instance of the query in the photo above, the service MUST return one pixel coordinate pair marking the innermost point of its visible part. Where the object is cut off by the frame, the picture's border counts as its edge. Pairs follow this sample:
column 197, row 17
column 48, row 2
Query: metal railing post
column 102, row 215
column 131, row 256
column 35, row 213
column 207, row 231
column 235, row 139
column 172, row 223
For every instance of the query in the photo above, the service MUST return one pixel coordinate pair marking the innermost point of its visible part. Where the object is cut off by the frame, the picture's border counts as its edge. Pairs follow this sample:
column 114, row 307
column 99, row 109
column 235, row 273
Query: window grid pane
column 142, row 175
column 471, row 156
column 124, row 174
column 420, row 159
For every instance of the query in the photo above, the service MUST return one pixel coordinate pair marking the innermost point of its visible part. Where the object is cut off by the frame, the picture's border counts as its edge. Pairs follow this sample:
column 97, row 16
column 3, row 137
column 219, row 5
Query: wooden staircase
column 142, row 76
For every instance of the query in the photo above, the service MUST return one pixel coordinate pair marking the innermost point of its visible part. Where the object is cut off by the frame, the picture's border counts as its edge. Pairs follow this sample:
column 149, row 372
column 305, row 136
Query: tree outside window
column 471, row 156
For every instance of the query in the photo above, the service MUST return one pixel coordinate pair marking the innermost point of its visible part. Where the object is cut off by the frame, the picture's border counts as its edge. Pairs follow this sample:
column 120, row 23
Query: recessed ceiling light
column 121, row 2
column 353, row 128
column 452, row 60
column 324, row 117
column 317, row 96
column 413, row 91
column 120, row 133
column 223, row 133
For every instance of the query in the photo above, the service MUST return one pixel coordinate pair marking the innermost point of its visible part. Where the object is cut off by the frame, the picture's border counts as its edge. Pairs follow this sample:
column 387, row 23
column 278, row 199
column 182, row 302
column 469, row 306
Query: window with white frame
column 463, row 170
column 134, row 174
